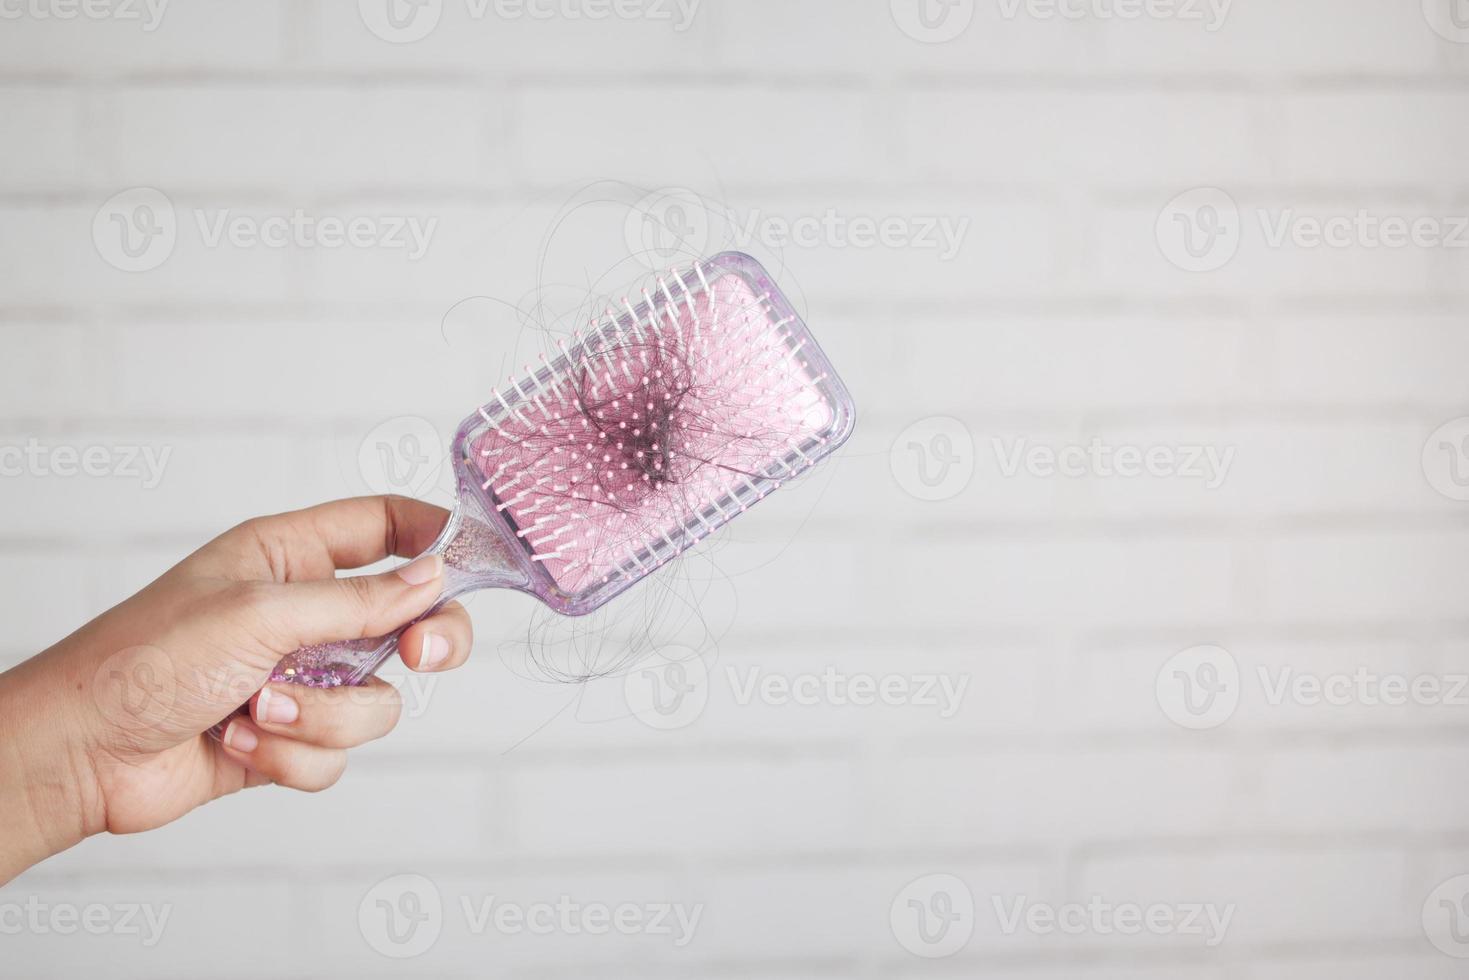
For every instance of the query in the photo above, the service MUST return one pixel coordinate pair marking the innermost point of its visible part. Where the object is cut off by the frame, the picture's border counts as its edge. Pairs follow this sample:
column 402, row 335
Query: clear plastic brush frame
column 481, row 544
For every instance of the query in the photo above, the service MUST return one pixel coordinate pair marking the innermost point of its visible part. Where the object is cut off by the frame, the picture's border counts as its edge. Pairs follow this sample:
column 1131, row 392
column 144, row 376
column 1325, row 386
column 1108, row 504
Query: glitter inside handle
column 479, row 552
column 476, row 556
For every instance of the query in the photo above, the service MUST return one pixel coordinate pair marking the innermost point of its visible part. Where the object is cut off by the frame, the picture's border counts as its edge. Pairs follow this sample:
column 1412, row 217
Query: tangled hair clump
column 661, row 420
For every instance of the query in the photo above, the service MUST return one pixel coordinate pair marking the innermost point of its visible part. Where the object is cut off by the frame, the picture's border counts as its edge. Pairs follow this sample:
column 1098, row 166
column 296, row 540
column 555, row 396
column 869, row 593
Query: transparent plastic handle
column 478, row 554
column 349, row 662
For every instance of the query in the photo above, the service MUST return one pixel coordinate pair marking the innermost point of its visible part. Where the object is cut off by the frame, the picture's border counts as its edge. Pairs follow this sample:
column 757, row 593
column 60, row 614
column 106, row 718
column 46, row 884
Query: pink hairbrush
column 664, row 422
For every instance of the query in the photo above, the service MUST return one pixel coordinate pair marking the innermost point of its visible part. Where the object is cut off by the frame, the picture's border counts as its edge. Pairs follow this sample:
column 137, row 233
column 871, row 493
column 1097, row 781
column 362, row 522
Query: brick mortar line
column 1266, row 412
column 1021, row 193
column 1098, row 77
column 1243, row 305
column 1138, row 529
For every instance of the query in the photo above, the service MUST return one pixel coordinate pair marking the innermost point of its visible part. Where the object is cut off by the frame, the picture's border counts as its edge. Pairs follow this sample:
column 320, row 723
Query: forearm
column 47, row 796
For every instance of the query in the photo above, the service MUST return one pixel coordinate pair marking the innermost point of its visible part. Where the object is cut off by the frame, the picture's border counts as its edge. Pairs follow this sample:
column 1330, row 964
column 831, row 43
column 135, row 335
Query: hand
column 107, row 729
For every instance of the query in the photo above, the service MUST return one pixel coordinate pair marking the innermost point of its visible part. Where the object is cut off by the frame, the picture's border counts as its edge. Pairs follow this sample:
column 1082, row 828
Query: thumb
column 356, row 606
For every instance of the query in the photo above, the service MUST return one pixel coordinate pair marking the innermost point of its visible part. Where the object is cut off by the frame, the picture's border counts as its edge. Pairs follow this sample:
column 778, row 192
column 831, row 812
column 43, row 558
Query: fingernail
column 275, row 707
column 240, row 738
column 435, row 651
column 421, row 570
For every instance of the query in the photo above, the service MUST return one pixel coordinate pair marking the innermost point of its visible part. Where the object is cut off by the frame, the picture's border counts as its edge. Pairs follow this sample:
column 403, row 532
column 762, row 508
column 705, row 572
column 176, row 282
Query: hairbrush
column 645, row 434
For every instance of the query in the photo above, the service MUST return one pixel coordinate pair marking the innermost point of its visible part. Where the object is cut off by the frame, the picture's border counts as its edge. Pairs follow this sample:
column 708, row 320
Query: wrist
column 48, row 793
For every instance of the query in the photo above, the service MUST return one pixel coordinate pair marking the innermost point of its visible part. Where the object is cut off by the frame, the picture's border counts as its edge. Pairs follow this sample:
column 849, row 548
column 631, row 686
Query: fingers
column 314, row 542
column 439, row 642
column 338, row 718
column 332, row 609
column 362, row 530
column 282, row 760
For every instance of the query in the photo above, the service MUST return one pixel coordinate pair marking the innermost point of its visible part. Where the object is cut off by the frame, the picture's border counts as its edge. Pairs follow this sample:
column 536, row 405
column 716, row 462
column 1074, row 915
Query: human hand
column 106, row 730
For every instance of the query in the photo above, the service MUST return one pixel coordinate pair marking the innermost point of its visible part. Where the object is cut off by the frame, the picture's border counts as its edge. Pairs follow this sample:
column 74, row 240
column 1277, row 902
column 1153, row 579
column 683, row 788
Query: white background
column 1058, row 144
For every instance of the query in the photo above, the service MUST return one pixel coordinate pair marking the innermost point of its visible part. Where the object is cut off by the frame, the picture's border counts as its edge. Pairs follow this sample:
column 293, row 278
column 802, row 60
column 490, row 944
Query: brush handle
column 477, row 555
column 351, row 662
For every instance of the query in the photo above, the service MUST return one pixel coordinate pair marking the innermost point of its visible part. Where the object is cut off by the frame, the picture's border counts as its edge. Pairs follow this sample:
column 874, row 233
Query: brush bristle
column 664, row 423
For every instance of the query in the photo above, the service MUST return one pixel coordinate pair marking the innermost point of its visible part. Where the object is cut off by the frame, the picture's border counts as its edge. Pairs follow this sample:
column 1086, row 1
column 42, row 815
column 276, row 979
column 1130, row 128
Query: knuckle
column 247, row 530
column 248, row 603
column 360, row 715
column 325, row 729
column 330, row 774
column 361, row 593
column 249, row 596
column 312, row 775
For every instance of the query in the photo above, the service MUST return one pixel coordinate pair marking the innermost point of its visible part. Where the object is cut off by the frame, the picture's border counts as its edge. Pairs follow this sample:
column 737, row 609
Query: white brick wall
column 1052, row 605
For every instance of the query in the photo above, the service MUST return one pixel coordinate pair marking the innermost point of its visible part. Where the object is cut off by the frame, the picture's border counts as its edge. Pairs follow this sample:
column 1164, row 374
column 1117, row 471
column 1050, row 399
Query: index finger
column 359, row 530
